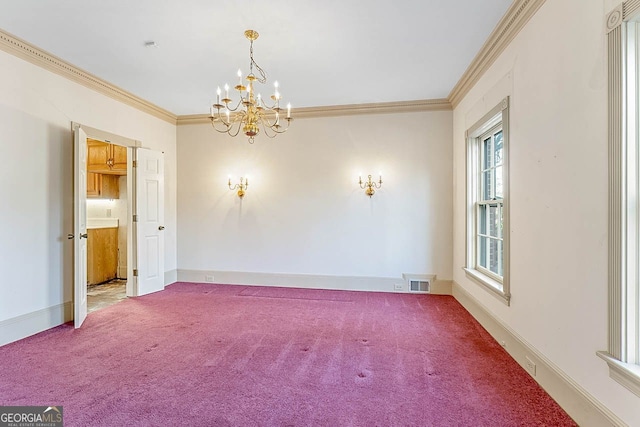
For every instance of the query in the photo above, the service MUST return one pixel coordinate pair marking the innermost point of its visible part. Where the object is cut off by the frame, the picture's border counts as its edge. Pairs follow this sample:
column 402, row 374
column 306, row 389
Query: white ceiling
column 329, row 52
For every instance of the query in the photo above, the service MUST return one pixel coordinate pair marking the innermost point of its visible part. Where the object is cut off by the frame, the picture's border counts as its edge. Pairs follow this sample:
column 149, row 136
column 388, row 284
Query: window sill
column 627, row 374
column 494, row 287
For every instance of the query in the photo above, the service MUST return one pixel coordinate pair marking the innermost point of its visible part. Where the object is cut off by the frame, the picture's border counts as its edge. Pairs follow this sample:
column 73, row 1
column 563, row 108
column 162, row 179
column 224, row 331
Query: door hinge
column 135, row 218
column 135, row 163
column 135, row 272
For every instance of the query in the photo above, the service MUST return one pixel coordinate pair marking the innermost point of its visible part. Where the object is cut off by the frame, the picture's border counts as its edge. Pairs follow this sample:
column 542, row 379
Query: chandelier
column 251, row 113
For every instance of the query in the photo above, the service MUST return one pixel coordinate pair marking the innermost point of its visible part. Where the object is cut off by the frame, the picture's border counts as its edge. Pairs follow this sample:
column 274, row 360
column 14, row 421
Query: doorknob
column 161, row 228
column 84, row 236
column 70, row 236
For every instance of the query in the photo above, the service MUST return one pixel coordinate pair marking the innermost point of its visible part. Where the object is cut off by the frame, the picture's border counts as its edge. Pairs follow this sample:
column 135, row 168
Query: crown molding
column 509, row 26
column 49, row 62
column 511, row 23
column 345, row 110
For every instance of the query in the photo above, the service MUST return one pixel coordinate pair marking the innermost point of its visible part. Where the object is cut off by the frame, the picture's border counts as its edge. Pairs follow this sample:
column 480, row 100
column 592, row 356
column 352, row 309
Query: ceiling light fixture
column 251, row 113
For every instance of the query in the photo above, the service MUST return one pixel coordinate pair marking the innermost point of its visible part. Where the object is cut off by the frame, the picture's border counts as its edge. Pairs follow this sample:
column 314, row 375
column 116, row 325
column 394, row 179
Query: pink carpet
column 215, row 355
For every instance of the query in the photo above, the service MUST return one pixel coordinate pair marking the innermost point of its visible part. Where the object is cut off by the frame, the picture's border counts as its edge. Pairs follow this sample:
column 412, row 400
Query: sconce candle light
column 370, row 186
column 244, row 183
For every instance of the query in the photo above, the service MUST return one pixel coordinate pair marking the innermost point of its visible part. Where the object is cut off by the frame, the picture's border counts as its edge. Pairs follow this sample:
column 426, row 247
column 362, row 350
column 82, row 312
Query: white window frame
column 623, row 38
column 496, row 118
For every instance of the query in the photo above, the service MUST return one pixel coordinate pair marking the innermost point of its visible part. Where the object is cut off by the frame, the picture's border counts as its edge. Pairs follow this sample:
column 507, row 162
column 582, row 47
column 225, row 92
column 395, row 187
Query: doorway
column 107, row 223
column 133, row 226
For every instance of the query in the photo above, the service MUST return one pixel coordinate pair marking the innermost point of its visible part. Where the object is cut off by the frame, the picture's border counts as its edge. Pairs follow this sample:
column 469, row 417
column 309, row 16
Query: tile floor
column 105, row 294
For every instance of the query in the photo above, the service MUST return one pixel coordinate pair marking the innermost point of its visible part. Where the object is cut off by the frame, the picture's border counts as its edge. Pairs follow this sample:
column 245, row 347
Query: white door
column 80, row 227
column 149, row 210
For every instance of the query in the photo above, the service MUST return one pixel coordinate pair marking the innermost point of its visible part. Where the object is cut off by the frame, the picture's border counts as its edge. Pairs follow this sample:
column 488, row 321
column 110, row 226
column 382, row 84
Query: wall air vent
column 422, row 286
column 419, row 283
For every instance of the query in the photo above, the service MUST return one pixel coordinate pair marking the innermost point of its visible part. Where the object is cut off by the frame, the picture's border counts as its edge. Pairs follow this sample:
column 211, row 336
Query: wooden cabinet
column 102, row 186
column 102, row 254
column 104, row 158
column 94, row 184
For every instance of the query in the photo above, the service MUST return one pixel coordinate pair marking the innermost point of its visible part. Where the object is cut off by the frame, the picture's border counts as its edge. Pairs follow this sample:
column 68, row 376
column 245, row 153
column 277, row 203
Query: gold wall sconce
column 244, row 183
column 370, row 186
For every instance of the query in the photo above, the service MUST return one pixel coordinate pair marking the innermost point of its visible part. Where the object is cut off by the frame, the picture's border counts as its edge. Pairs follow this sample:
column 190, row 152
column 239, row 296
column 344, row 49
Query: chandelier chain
column 263, row 75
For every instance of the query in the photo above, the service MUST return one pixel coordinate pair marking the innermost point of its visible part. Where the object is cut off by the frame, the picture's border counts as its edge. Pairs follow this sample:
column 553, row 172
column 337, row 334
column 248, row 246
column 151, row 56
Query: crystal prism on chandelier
column 251, row 113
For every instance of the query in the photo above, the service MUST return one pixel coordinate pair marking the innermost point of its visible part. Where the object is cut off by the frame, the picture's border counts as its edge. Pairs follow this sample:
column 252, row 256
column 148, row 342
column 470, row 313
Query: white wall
column 36, row 179
column 304, row 213
column 555, row 73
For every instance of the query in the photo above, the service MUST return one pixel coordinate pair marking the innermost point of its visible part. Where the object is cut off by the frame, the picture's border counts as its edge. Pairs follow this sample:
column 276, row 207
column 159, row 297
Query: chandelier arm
column 268, row 128
column 213, row 125
column 236, row 107
column 237, row 129
column 285, row 129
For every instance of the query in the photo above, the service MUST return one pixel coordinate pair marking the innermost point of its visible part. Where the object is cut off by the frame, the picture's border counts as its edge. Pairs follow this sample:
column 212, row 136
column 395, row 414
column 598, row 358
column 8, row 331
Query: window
column 623, row 354
column 487, row 195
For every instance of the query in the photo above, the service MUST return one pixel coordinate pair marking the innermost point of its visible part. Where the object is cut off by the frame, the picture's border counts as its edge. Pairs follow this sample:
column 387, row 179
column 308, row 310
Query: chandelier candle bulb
column 226, row 90
column 217, row 97
column 288, row 110
column 240, row 77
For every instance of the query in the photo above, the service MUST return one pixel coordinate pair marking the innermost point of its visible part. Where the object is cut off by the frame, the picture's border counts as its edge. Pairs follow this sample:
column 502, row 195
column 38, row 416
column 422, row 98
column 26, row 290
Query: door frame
column 131, row 144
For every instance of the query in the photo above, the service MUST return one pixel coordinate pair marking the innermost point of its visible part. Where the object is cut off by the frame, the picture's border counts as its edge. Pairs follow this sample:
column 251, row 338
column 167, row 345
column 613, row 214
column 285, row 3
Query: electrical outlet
column 108, row 213
column 531, row 367
column 398, row 287
column 208, row 279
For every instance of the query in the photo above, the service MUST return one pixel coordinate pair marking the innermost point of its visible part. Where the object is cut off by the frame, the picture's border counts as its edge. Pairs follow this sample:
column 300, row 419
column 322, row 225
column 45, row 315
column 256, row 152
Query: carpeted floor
column 215, row 355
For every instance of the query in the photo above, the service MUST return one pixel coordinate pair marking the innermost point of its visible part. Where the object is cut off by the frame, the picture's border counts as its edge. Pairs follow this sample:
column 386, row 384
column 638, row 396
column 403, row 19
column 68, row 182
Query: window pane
column 490, row 254
column 494, row 221
column 487, row 185
column 495, row 254
column 482, row 251
column 501, row 219
column 482, row 219
column 497, row 142
column 498, row 185
column 486, row 153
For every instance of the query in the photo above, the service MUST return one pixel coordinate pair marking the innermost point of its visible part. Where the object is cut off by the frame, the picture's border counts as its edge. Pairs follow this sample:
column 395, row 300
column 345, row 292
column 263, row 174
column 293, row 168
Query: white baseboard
column 20, row 327
column 311, row 281
column 585, row 409
column 170, row 277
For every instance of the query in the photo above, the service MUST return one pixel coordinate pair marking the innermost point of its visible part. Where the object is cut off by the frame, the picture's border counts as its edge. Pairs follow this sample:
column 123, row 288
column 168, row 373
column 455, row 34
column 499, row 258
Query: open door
column 149, row 220
column 80, row 226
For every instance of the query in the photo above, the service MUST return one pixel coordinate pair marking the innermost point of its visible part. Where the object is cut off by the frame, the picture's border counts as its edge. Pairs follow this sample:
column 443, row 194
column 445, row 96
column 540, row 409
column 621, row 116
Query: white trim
column 344, row 110
column 28, row 324
column 585, row 409
column 28, row 52
column 310, row 281
column 491, row 285
column 626, row 374
column 498, row 115
column 507, row 29
column 623, row 61
column 170, row 277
